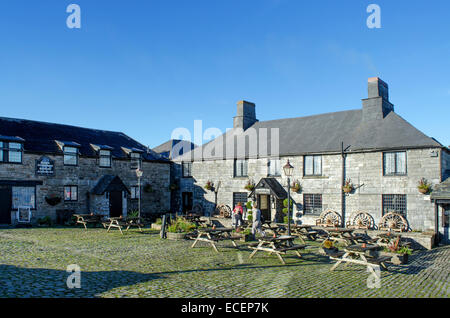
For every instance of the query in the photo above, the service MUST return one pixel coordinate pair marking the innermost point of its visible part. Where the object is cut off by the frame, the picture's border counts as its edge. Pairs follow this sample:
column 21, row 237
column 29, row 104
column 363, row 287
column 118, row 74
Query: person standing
column 237, row 215
column 256, row 226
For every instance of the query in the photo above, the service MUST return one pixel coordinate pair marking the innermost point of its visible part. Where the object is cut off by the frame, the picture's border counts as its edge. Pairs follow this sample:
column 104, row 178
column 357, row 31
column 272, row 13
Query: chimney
column 377, row 106
column 246, row 115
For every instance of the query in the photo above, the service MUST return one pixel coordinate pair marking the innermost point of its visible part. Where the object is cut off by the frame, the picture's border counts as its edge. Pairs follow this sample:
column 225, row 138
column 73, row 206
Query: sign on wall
column 45, row 166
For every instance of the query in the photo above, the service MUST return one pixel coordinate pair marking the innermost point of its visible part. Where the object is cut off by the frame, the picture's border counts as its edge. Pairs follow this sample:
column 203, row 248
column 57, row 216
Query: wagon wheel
column 363, row 220
column 223, row 210
column 330, row 218
column 394, row 221
column 197, row 209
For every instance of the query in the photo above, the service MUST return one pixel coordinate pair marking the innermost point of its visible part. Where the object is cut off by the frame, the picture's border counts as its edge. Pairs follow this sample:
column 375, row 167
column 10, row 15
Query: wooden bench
column 85, row 219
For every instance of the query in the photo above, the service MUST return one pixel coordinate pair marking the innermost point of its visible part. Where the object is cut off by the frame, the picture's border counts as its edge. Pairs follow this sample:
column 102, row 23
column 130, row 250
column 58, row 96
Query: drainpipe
column 342, row 184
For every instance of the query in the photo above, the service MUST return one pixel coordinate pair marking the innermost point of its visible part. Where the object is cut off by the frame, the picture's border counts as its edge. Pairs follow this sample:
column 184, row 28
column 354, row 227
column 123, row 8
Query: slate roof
column 323, row 134
column 273, row 185
column 41, row 137
column 108, row 183
column 174, row 148
column 441, row 191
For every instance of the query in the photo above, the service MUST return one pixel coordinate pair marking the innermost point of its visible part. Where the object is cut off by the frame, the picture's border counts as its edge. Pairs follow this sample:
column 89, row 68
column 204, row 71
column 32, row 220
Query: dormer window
column 105, row 158
column 11, row 149
column 70, row 156
column 135, row 160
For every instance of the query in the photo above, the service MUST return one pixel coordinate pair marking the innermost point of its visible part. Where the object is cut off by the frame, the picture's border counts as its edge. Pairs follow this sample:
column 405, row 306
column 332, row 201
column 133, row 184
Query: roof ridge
column 309, row 116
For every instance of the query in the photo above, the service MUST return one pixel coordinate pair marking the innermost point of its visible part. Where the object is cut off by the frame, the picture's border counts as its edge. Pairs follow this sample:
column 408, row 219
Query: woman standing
column 237, row 215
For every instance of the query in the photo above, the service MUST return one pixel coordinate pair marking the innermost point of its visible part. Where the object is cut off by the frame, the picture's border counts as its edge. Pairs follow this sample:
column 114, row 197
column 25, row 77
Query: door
column 446, row 223
column 5, row 205
column 115, row 203
column 264, row 206
column 188, row 201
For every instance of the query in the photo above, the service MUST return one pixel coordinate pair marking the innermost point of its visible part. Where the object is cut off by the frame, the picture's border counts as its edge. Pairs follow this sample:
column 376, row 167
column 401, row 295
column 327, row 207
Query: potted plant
column 328, row 248
column 45, row 221
column 178, row 229
column 246, row 235
column 398, row 253
column 53, row 199
column 424, row 187
column 285, row 210
column 148, row 188
column 209, row 185
column 249, row 206
column 157, row 224
column 348, row 186
column 296, row 187
column 250, row 185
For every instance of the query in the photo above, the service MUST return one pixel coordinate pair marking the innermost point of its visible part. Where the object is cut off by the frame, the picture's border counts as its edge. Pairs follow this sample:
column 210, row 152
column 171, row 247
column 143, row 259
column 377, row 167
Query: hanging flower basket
column 209, row 185
column 348, row 186
column 249, row 186
column 296, row 187
column 53, row 200
column 424, row 187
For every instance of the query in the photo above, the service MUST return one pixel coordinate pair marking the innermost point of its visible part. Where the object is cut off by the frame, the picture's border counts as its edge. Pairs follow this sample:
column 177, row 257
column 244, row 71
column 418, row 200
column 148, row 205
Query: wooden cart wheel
column 362, row 220
column 223, row 210
column 197, row 209
column 393, row 221
column 330, row 218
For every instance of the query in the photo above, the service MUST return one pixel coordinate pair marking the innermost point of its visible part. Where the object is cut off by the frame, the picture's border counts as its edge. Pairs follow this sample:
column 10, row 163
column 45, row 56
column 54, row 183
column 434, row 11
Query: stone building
column 374, row 148
column 52, row 167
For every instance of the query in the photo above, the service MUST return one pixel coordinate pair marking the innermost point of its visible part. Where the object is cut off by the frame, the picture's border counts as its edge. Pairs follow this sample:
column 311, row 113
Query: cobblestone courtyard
column 33, row 263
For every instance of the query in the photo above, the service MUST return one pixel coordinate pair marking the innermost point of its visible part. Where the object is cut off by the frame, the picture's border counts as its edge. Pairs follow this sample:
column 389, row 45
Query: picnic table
column 120, row 223
column 278, row 245
column 213, row 235
column 86, row 219
column 362, row 255
column 276, row 229
column 343, row 235
column 195, row 218
column 384, row 239
column 305, row 231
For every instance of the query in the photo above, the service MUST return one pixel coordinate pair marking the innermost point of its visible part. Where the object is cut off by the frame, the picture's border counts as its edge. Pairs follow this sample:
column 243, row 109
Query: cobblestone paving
column 33, row 263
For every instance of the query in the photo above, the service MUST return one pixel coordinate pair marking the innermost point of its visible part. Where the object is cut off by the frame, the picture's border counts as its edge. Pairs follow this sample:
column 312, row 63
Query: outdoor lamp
column 288, row 169
column 139, row 174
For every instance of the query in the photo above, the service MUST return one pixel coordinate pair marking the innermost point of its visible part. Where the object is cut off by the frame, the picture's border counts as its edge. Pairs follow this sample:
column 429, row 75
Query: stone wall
column 86, row 176
column 364, row 169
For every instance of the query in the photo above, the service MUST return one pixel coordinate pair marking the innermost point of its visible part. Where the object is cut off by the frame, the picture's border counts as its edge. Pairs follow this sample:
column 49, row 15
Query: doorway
column 264, row 206
column 5, row 205
column 446, row 223
column 188, row 202
column 115, row 203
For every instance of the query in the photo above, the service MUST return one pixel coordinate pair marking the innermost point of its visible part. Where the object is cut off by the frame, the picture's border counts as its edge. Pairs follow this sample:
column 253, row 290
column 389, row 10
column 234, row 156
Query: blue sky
column 147, row 67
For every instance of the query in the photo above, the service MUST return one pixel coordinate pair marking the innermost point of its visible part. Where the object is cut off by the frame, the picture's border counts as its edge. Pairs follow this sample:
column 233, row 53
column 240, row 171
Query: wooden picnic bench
column 214, row 235
column 86, row 219
column 120, row 223
column 358, row 254
column 343, row 235
column 305, row 231
column 278, row 245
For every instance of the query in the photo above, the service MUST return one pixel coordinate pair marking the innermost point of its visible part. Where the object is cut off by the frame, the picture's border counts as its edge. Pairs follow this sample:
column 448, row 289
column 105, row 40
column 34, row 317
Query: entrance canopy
column 441, row 194
column 109, row 183
column 269, row 186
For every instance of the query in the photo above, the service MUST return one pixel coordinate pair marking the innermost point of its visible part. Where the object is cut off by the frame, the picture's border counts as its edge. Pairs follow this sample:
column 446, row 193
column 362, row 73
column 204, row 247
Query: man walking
column 256, row 226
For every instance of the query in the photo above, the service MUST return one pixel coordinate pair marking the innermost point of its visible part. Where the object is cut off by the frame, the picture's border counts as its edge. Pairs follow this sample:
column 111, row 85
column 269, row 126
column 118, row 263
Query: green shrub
column 181, row 225
column 46, row 220
column 285, row 204
column 133, row 214
column 158, row 221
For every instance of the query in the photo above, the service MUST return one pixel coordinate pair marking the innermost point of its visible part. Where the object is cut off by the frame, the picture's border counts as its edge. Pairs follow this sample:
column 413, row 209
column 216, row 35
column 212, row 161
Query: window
column 313, row 166
column 11, row 152
column 105, row 158
column 241, row 168
column 23, row 196
column 134, row 192
column 394, row 163
column 312, row 203
column 239, row 197
column 135, row 160
column 394, row 203
column 187, row 169
column 70, row 156
column 274, row 167
column 70, row 193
